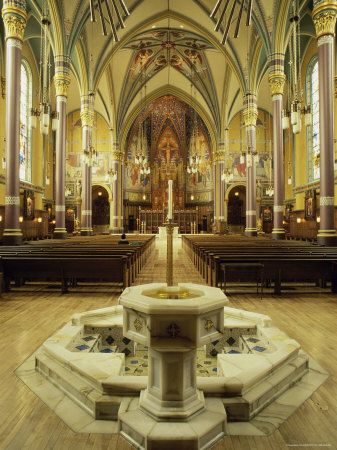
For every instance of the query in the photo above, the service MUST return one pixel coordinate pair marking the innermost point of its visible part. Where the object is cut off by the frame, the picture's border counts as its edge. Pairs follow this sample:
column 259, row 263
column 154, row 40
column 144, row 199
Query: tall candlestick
column 170, row 200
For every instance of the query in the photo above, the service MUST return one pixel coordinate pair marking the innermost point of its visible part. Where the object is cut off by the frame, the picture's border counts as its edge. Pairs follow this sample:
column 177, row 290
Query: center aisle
column 154, row 270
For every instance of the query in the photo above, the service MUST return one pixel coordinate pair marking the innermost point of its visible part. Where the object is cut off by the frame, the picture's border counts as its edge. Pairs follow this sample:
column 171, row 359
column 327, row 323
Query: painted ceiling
column 171, row 39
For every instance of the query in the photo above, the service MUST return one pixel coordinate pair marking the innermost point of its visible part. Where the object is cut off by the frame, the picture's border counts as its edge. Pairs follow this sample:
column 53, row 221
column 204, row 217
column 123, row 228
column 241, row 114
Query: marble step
column 98, row 405
column 244, row 408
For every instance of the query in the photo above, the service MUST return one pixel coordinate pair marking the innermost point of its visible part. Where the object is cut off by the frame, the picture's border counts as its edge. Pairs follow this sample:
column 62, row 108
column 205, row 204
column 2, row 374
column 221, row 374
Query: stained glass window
column 25, row 131
column 313, row 131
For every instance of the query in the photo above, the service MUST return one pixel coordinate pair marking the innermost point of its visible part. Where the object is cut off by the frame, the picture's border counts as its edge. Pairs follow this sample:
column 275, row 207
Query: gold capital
column 87, row 117
column 15, row 21
column 118, row 156
column 250, row 114
column 276, row 83
column 62, row 82
column 324, row 17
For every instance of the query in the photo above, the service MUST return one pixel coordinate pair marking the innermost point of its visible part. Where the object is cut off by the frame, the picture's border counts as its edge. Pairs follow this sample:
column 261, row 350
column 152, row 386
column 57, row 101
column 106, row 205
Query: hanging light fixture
column 116, row 7
column 111, row 176
column 194, row 160
column 141, row 158
column 295, row 74
column 222, row 16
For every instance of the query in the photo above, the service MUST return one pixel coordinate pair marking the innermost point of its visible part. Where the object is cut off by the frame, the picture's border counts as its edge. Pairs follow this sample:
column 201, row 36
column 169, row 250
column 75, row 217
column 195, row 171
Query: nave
column 29, row 316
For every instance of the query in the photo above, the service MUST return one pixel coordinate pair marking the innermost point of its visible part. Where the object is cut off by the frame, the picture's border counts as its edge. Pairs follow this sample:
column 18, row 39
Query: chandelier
column 141, row 159
column 110, row 9
column 44, row 110
column 194, row 160
column 111, row 176
column 89, row 156
column 293, row 115
column 229, row 20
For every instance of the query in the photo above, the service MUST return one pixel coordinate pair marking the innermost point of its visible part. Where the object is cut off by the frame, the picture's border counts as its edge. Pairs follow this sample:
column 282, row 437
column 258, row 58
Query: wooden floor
column 28, row 317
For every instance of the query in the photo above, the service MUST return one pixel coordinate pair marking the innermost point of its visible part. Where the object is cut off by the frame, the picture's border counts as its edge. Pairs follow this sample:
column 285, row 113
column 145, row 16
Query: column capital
column 62, row 75
column 87, row 117
column 277, row 76
column 219, row 155
column 117, row 156
column 14, row 15
column 250, row 112
column 324, row 16
column 276, row 83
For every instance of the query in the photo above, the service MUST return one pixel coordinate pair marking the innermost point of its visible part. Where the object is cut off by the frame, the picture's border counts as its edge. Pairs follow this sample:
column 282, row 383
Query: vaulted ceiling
column 167, row 45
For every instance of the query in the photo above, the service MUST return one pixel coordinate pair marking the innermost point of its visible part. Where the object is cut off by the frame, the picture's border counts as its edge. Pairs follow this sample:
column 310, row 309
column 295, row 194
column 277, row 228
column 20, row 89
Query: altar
column 162, row 232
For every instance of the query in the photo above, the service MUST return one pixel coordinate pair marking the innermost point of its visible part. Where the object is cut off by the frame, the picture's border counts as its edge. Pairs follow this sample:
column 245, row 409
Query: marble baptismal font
column 172, row 366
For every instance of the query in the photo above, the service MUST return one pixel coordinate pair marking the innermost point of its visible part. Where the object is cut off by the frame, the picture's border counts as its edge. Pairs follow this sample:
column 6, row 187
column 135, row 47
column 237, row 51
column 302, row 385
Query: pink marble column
column 250, row 117
column 87, row 119
column 324, row 15
column 61, row 81
column 276, row 81
column 116, row 211
column 219, row 188
column 15, row 19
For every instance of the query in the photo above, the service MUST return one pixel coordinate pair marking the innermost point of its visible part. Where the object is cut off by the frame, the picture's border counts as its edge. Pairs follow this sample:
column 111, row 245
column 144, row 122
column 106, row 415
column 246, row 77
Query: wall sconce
column 192, row 197
column 0, row 218
column 100, row 193
column 39, row 219
column 53, row 222
column 144, row 196
column 20, row 219
column 298, row 220
column 318, row 219
column 237, row 194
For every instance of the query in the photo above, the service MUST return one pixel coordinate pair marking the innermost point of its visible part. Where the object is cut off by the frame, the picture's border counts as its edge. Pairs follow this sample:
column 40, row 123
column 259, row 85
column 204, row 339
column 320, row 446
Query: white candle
column 170, row 200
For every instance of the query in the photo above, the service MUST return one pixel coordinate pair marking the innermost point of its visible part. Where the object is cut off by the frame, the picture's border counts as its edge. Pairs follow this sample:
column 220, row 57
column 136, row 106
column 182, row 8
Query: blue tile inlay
column 88, row 338
column 258, row 348
column 234, row 352
column 82, row 347
column 106, row 350
column 252, row 339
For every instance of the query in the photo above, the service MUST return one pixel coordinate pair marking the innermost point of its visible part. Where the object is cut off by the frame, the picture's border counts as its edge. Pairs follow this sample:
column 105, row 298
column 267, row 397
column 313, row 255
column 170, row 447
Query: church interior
column 168, row 217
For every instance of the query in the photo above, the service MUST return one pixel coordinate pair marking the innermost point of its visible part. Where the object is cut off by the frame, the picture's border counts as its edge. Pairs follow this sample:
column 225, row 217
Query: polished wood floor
column 29, row 315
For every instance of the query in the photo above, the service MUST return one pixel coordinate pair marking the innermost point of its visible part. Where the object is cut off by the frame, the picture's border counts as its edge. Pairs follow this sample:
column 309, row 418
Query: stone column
column 324, row 15
column 15, row 20
column 219, row 188
column 250, row 117
column 116, row 206
column 87, row 119
column 62, row 81
column 276, row 82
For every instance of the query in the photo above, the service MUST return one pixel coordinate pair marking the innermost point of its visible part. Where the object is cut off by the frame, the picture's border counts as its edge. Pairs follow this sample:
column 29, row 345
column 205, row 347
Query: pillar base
column 202, row 430
column 12, row 237
column 116, row 230
column 87, row 232
column 60, row 233
column 278, row 234
column 251, row 232
column 327, row 239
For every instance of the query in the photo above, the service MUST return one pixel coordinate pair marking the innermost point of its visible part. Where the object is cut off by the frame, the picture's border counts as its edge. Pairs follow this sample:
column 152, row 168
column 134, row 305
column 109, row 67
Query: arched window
column 25, row 131
column 313, row 130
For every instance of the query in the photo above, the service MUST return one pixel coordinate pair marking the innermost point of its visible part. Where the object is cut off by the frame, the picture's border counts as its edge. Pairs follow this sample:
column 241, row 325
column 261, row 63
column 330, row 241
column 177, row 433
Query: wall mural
column 168, row 141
